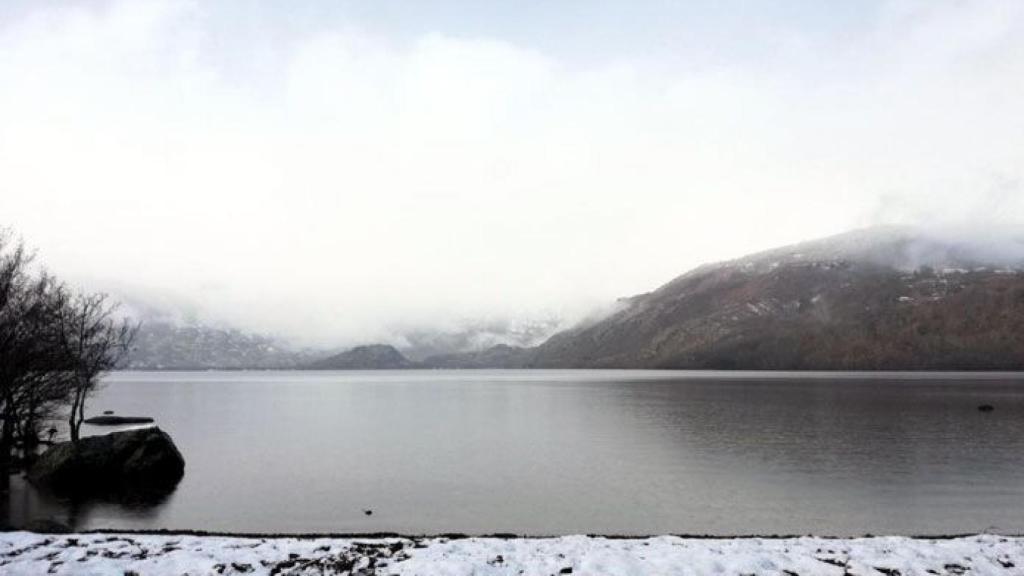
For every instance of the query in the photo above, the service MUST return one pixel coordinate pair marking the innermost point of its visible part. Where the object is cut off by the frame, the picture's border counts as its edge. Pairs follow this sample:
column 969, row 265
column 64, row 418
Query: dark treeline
column 55, row 343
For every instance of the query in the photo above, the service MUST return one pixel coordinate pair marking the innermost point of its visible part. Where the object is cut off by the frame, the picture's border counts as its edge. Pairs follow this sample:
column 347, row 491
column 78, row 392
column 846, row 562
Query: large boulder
column 143, row 460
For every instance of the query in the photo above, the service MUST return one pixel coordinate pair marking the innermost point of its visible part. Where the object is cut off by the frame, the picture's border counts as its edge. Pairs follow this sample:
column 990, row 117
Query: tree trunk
column 6, row 446
column 81, row 409
column 73, row 415
column 29, row 439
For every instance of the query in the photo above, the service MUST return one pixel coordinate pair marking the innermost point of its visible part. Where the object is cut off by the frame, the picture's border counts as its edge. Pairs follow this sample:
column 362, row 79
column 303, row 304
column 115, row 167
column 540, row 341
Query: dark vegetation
column 54, row 346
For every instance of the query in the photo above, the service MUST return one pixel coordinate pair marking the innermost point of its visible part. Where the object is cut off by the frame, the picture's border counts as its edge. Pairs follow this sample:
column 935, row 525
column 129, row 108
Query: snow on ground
column 139, row 554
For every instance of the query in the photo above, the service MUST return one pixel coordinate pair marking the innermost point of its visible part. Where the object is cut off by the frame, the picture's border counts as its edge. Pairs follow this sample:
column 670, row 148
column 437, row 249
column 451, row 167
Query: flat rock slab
column 107, row 420
column 30, row 553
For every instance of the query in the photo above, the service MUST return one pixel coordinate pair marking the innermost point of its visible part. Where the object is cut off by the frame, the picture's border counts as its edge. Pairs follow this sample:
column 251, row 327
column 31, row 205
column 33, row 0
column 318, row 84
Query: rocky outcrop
column 144, row 460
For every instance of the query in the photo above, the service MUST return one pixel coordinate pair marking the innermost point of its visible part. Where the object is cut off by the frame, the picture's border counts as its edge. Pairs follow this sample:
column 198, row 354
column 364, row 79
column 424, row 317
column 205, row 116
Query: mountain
column 887, row 298
column 161, row 345
column 472, row 336
column 500, row 356
column 875, row 299
column 372, row 357
column 175, row 336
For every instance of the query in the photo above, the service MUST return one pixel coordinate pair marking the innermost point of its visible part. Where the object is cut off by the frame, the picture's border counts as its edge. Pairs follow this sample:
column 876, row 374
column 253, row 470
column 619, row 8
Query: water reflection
column 549, row 452
column 28, row 505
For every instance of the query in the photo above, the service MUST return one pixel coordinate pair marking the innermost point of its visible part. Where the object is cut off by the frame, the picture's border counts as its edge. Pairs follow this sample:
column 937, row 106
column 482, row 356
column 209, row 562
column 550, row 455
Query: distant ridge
column 372, row 357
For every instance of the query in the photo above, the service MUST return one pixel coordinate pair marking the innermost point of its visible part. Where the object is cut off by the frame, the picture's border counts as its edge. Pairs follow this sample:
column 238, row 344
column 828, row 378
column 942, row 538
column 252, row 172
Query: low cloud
column 339, row 184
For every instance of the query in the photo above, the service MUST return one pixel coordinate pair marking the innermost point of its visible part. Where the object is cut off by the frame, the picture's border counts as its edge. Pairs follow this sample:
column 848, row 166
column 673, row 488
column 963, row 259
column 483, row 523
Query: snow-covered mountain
column 167, row 342
column 161, row 345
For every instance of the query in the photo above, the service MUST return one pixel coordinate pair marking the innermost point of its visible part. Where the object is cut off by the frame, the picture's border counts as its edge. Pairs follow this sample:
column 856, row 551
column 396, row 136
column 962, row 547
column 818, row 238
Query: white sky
column 340, row 171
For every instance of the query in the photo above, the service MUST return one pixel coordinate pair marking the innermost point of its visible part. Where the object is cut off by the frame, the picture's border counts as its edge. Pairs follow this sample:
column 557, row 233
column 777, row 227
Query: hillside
column 878, row 299
column 372, row 357
column 500, row 356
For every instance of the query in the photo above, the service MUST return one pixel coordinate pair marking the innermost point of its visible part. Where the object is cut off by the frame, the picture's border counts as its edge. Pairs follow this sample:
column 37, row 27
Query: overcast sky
column 340, row 171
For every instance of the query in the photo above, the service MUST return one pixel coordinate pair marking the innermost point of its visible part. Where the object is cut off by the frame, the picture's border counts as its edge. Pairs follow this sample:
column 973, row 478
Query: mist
column 345, row 175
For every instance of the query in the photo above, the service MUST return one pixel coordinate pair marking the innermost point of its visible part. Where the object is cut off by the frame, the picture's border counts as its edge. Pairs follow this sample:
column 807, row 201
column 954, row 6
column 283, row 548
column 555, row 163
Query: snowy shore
column 141, row 554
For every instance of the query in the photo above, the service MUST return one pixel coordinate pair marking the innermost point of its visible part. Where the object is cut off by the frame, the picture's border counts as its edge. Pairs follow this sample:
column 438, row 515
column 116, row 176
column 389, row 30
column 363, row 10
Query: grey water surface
column 573, row 451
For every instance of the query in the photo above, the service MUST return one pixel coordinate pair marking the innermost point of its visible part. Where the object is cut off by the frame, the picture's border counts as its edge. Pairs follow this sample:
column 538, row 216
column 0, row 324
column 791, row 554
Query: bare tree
column 43, row 401
column 54, row 346
column 27, row 347
column 93, row 341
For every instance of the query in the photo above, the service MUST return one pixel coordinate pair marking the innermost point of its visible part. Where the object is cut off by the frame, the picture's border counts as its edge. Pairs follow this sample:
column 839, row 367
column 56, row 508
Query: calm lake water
column 555, row 452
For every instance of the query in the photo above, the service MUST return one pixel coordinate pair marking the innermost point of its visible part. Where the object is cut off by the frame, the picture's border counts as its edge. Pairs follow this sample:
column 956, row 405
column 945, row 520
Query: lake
column 567, row 451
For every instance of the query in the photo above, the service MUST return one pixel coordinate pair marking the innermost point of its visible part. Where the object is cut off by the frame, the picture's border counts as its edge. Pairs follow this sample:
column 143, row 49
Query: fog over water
column 342, row 172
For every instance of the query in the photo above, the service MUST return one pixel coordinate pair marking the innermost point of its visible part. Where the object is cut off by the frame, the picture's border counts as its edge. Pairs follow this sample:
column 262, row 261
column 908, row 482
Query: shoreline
column 489, row 535
column 124, row 552
column 780, row 371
